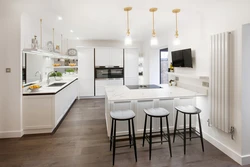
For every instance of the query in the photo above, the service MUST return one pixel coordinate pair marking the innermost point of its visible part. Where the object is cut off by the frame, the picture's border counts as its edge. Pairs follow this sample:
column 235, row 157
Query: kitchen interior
column 155, row 72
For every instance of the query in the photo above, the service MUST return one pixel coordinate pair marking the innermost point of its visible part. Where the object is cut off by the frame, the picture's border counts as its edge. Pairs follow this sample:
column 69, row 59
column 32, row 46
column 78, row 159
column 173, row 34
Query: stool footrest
column 180, row 133
column 147, row 137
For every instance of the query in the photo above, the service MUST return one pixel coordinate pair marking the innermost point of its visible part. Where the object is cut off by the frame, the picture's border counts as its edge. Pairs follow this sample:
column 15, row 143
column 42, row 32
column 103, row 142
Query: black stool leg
column 144, row 133
column 190, row 126
column 111, row 135
column 184, row 133
column 129, row 132
column 169, row 141
column 114, row 140
column 161, row 128
column 134, row 141
column 201, row 136
column 175, row 125
column 150, row 139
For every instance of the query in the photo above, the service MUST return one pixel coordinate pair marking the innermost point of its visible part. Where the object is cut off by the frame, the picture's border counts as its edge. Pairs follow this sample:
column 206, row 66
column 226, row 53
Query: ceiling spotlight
column 59, row 18
column 71, row 31
column 77, row 38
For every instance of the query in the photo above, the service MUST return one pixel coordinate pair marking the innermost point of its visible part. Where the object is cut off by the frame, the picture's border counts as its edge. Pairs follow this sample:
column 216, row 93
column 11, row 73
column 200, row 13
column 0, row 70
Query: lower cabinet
column 101, row 83
column 42, row 113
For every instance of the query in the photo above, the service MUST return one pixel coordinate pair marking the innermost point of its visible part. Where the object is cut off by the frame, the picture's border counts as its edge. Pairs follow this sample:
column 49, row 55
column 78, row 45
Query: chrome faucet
column 48, row 80
column 40, row 75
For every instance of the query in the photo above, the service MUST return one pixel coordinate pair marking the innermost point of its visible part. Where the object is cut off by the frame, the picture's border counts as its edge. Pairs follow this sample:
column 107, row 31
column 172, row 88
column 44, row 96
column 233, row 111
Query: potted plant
column 56, row 75
column 70, row 71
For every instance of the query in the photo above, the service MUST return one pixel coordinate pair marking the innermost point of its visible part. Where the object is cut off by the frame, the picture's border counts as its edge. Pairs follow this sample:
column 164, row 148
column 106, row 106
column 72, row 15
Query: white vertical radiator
column 219, row 83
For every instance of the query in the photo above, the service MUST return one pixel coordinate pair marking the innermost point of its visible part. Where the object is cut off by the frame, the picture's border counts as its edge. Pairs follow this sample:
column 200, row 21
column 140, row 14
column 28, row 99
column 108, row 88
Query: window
column 164, row 66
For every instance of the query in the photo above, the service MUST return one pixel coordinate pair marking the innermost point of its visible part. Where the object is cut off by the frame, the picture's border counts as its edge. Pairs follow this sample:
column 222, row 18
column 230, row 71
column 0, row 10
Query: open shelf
column 48, row 54
column 206, row 78
column 66, row 67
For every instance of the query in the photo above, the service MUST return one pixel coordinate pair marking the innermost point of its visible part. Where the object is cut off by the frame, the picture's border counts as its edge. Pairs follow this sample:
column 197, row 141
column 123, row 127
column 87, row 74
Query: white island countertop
column 46, row 90
column 123, row 93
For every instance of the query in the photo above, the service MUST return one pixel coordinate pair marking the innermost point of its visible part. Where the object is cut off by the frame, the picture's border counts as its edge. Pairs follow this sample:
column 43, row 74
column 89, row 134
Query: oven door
column 101, row 73
column 116, row 73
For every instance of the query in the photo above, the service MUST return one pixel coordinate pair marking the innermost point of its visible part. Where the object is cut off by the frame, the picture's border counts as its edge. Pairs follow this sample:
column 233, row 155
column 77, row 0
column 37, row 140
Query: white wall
column 10, row 110
column 245, row 86
column 215, row 19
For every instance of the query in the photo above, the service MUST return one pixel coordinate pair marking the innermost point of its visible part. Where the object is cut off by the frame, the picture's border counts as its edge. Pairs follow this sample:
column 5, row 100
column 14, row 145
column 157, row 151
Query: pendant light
column 154, row 40
column 128, row 39
column 176, row 40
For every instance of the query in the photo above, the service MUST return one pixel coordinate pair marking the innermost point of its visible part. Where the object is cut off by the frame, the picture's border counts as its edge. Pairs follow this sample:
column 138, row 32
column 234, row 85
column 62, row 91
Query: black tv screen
column 182, row 58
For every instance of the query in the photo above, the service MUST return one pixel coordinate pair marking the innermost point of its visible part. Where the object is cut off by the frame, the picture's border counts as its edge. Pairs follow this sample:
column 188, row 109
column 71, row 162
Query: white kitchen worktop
column 45, row 90
column 122, row 93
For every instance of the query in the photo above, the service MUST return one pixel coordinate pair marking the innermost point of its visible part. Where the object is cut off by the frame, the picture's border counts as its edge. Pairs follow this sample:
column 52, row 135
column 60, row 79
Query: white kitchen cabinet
column 100, row 86
column 42, row 113
column 101, row 83
column 116, row 57
column 131, row 66
column 102, row 56
column 86, row 71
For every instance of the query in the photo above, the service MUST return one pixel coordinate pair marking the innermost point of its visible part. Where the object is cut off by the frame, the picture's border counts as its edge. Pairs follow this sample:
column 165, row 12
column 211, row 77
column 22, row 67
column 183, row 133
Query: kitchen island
column 43, row 110
column 138, row 98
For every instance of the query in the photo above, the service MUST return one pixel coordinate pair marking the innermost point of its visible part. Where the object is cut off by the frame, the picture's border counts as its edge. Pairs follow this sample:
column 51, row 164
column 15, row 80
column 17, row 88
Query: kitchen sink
column 57, row 84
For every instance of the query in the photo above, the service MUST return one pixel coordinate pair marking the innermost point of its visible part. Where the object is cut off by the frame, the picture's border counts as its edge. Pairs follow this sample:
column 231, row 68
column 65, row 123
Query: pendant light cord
column 176, row 33
column 153, row 25
column 128, row 32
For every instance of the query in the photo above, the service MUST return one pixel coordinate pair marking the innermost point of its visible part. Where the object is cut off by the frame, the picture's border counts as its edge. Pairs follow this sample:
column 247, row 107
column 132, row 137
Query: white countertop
column 50, row 90
column 122, row 93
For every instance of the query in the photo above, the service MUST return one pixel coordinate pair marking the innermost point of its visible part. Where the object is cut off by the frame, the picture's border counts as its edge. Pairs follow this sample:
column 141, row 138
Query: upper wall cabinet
column 102, row 56
column 116, row 57
column 109, row 57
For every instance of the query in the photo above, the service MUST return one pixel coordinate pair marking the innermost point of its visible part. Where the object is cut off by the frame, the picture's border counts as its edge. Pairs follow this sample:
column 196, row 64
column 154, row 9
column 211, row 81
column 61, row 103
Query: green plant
column 56, row 74
column 70, row 70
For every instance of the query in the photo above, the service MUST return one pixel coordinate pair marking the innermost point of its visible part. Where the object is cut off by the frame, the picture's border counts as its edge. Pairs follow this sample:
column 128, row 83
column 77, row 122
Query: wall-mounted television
column 182, row 58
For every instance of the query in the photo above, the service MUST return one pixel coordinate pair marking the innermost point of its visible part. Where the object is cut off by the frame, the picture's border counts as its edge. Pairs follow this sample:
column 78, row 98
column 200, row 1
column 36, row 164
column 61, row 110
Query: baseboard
column 228, row 151
column 245, row 159
column 11, row 134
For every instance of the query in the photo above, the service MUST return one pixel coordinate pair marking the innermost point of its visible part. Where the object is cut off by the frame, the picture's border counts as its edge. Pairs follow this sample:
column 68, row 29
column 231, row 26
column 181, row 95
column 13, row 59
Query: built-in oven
column 116, row 72
column 101, row 72
column 109, row 72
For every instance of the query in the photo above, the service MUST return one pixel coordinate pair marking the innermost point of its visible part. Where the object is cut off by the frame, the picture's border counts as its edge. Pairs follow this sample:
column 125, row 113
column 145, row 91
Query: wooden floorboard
column 81, row 140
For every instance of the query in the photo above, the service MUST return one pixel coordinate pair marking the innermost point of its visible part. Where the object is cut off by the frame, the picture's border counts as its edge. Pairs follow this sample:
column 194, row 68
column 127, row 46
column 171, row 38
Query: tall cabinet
column 131, row 66
column 86, row 71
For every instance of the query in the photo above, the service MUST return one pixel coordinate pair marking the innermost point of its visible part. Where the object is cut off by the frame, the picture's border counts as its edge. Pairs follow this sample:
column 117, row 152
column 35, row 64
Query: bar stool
column 125, row 115
column 188, row 110
column 157, row 113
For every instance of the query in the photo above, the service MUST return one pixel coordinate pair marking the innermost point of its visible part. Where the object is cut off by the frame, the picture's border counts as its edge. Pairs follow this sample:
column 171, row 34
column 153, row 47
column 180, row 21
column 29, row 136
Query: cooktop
column 143, row 86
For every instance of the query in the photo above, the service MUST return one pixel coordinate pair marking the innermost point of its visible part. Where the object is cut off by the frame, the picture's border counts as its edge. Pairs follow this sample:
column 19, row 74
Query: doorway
column 164, row 66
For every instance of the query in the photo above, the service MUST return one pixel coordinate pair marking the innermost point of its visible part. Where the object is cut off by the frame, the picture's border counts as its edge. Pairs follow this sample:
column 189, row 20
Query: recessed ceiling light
column 71, row 31
column 60, row 18
column 77, row 38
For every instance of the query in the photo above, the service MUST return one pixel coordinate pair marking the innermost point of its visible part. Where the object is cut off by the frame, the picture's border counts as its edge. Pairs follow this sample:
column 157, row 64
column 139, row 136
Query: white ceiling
column 105, row 19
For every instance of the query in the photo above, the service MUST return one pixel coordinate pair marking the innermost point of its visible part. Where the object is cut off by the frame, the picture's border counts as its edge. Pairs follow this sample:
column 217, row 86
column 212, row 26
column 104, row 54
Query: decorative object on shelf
column 34, row 88
column 50, row 46
column 56, row 75
column 72, row 64
column 41, row 34
column 128, row 39
column 57, row 50
column 154, row 40
column 70, row 71
column 72, row 52
column 53, row 41
column 56, row 64
column 172, row 83
column 34, row 43
column 61, row 51
column 171, row 67
column 176, row 40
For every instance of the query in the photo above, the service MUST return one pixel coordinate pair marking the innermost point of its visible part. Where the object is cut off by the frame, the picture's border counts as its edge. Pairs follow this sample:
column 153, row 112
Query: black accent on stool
column 113, row 136
column 149, row 136
column 188, row 110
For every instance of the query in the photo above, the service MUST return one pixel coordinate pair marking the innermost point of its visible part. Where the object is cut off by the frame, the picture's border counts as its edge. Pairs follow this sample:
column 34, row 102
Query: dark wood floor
column 81, row 140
